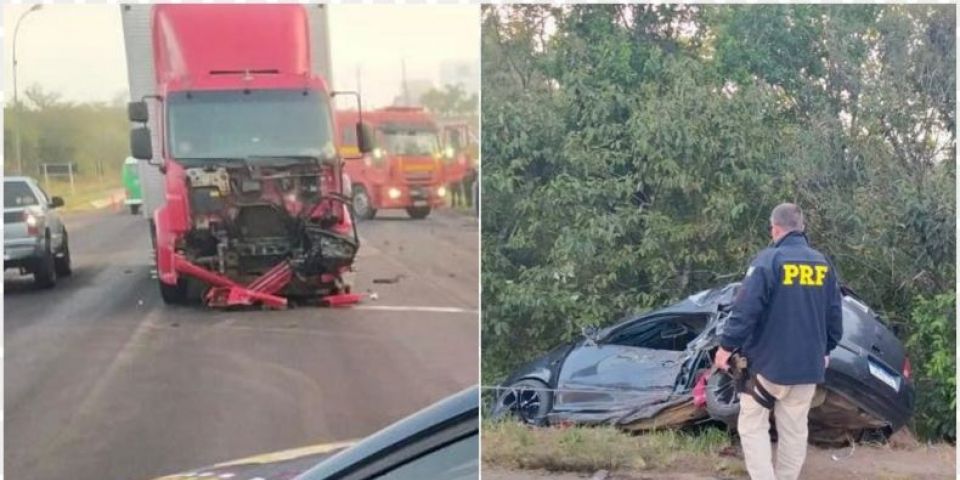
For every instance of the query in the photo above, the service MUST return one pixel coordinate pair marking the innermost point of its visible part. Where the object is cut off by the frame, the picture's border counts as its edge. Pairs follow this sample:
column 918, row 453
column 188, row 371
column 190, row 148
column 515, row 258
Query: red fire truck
column 408, row 167
column 234, row 111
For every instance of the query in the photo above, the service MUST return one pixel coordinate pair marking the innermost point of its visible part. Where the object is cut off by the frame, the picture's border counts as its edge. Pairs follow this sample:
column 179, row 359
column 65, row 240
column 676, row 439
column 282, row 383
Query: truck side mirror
column 140, row 145
column 137, row 112
column 364, row 138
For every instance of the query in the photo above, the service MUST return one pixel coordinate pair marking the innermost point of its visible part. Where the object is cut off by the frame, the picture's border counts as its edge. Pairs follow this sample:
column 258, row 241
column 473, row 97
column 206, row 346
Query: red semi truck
column 408, row 168
column 234, row 111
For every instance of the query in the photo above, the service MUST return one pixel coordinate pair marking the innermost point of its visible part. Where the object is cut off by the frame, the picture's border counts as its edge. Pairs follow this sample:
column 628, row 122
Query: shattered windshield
column 259, row 123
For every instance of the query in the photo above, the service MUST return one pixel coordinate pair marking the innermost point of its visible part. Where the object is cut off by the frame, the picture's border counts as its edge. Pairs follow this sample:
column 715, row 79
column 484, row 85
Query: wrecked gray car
column 653, row 370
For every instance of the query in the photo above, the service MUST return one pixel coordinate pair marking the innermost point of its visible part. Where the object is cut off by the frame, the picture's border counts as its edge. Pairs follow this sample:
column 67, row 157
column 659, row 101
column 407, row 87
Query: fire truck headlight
column 449, row 153
column 442, row 192
column 393, row 193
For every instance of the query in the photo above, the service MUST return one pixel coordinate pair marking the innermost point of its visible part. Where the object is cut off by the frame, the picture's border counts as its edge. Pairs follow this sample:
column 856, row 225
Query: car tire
column 723, row 400
column 362, row 205
column 529, row 406
column 45, row 271
column 418, row 213
column 62, row 264
column 134, row 209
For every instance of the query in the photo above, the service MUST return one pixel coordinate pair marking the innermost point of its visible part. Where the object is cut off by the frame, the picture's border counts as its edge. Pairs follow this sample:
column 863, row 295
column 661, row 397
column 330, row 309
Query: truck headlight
column 393, row 193
column 441, row 192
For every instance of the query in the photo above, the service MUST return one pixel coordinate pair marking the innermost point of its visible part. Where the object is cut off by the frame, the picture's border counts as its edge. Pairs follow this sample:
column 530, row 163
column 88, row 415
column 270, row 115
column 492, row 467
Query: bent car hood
column 283, row 465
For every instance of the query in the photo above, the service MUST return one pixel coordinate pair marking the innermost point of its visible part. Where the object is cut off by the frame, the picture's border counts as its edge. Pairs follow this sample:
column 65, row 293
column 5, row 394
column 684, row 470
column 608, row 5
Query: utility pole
column 16, row 99
column 403, row 75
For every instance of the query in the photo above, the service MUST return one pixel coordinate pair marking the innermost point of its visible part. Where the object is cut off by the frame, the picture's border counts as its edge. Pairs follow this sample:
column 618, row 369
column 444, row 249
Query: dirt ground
column 875, row 462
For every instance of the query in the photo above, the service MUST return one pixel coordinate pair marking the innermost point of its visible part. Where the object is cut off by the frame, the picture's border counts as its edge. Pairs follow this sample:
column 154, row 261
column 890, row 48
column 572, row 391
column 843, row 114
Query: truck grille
column 419, row 178
column 12, row 217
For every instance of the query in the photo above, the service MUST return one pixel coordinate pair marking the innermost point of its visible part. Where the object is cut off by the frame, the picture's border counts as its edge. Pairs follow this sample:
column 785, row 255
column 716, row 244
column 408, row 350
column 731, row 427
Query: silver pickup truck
column 34, row 238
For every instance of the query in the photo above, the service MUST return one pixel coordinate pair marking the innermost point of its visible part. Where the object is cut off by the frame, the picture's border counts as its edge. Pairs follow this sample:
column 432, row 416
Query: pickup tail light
column 32, row 222
column 907, row 368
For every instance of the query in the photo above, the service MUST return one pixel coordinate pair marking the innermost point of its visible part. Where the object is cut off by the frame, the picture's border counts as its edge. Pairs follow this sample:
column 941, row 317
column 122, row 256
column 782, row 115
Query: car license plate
column 419, row 203
column 884, row 376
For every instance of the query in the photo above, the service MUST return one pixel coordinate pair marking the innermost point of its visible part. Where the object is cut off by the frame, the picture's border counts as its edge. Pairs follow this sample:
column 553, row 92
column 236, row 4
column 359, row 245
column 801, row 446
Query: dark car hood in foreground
column 335, row 459
column 283, row 465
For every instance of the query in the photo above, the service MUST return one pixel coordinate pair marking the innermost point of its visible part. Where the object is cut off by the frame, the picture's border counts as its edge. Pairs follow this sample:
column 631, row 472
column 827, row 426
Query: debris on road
column 390, row 280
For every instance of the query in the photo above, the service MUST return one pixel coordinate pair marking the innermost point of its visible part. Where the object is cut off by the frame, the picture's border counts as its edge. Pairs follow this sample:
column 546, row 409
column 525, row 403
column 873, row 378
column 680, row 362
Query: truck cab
column 239, row 122
column 408, row 167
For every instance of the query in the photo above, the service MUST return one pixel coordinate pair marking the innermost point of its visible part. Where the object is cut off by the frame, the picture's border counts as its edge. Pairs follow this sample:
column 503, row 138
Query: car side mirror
column 138, row 112
column 140, row 145
column 364, row 138
column 591, row 333
column 56, row 202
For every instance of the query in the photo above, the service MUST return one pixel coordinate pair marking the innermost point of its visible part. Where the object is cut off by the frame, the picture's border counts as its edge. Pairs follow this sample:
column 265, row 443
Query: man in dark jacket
column 786, row 319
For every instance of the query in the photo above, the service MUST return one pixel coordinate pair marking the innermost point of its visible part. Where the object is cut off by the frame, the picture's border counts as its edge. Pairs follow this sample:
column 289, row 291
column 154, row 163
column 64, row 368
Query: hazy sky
column 77, row 50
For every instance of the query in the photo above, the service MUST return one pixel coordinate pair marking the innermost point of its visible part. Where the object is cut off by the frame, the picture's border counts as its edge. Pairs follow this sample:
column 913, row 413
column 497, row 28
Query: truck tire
column 173, row 294
column 362, row 205
column 45, row 271
column 62, row 263
column 134, row 209
column 418, row 213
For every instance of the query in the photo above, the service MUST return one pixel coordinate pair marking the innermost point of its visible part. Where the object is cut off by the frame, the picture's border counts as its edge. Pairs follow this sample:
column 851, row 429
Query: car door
column 610, row 376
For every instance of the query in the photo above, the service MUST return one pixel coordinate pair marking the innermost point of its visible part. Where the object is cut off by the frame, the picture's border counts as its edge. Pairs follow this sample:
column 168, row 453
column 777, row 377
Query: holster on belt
column 747, row 382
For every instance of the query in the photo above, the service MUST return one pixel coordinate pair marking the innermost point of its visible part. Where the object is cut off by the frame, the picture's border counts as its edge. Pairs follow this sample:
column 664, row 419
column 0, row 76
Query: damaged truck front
column 238, row 121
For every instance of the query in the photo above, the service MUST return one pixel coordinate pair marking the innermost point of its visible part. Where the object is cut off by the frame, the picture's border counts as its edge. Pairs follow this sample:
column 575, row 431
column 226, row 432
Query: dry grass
column 511, row 445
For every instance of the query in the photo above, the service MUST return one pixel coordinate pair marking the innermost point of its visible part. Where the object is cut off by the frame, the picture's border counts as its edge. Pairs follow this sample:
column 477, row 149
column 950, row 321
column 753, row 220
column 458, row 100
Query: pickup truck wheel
column 62, row 262
column 45, row 271
column 173, row 294
column 362, row 206
column 527, row 400
column 418, row 213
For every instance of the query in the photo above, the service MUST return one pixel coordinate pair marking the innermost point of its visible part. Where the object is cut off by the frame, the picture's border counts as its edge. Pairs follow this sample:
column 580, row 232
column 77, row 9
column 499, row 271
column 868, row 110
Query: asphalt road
column 103, row 381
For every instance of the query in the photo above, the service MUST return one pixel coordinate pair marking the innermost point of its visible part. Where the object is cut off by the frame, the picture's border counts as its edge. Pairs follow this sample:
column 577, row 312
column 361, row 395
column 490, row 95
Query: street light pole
column 16, row 98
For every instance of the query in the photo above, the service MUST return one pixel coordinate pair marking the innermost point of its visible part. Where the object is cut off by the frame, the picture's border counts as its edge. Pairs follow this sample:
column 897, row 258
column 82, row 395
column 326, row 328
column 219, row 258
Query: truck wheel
column 62, row 263
column 362, row 205
column 45, row 272
column 134, row 209
column 418, row 213
column 175, row 294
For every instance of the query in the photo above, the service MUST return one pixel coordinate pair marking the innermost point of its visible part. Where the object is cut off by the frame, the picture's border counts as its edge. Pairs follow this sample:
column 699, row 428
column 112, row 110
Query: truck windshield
column 259, row 123
column 410, row 142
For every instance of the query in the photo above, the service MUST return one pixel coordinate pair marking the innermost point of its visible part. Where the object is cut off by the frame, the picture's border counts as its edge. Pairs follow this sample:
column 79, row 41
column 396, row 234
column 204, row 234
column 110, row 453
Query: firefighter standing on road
column 785, row 321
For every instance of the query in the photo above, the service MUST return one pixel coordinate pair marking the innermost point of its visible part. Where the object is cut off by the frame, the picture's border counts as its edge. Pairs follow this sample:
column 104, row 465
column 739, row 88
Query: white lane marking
column 404, row 308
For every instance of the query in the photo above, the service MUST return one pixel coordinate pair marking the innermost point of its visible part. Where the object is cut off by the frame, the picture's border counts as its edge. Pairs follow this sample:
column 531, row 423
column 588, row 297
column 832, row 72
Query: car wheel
column 362, row 206
column 418, row 213
column 527, row 400
column 62, row 263
column 723, row 399
column 134, row 209
column 45, row 272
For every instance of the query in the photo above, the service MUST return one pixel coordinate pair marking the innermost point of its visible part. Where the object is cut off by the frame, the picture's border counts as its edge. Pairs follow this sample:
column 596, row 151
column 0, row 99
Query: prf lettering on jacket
column 804, row 275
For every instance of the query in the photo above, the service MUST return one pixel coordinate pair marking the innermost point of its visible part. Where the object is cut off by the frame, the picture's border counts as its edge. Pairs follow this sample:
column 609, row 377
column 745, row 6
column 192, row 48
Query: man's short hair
column 788, row 217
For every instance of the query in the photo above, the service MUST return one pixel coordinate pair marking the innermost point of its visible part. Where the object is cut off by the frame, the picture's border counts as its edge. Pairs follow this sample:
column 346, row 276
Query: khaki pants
column 791, row 409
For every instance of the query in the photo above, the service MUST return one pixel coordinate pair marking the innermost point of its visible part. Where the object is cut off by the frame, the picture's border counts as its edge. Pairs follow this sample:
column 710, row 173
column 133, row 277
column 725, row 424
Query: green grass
column 511, row 445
